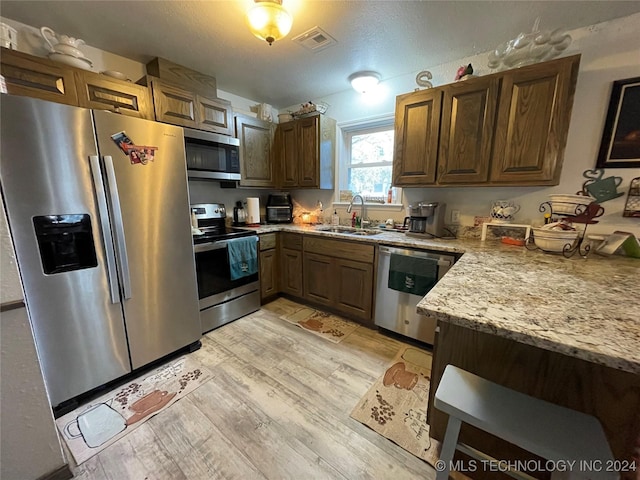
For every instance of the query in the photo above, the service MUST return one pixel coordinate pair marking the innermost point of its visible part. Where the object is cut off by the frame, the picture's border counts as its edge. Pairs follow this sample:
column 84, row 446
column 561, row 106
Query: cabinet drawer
column 339, row 249
column 291, row 240
column 268, row 241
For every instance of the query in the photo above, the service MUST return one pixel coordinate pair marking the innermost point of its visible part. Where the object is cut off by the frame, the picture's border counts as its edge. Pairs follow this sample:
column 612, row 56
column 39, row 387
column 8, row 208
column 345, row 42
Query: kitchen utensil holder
column 570, row 249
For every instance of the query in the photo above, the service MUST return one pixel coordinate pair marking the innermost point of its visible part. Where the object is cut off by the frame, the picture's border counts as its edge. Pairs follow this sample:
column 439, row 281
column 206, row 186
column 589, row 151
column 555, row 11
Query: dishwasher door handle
column 442, row 262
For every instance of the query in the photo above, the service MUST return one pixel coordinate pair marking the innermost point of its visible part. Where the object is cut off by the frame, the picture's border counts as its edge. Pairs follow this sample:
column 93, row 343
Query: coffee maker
column 427, row 219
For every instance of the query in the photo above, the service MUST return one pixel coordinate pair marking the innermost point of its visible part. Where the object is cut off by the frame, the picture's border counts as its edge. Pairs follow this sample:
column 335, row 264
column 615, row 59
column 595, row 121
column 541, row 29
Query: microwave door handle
column 103, row 214
column 118, row 226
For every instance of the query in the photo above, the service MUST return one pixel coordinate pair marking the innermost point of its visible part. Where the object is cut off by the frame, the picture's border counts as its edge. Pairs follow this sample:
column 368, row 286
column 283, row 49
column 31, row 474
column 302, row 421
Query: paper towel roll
column 253, row 211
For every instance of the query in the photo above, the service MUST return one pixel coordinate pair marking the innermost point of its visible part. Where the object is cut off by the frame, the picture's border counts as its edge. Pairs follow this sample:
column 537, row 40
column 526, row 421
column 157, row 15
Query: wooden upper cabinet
column 288, row 154
column 256, row 159
column 533, row 122
column 306, row 152
column 214, row 115
column 38, row 77
column 103, row 93
column 508, row 128
column 466, row 136
column 178, row 105
column 173, row 104
column 417, row 129
column 309, row 151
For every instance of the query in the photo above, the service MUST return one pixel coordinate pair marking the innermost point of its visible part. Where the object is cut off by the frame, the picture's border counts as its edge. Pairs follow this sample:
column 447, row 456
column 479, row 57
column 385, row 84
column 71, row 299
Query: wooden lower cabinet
column 269, row 266
column 268, row 273
column 339, row 274
column 354, row 287
column 291, row 272
column 318, row 278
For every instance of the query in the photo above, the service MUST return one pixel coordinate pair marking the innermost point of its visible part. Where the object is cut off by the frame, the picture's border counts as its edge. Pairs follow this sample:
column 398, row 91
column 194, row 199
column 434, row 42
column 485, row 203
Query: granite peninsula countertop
column 584, row 308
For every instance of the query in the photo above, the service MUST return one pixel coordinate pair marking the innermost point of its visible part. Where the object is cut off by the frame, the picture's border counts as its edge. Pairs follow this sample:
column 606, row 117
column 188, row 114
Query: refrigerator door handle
column 118, row 226
column 103, row 213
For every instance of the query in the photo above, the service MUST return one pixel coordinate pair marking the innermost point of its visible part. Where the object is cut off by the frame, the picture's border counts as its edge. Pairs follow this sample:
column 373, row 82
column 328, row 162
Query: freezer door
column 58, row 223
column 149, row 203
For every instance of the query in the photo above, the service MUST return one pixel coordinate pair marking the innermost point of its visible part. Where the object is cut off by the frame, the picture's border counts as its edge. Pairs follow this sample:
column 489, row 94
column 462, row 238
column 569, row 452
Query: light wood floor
column 277, row 407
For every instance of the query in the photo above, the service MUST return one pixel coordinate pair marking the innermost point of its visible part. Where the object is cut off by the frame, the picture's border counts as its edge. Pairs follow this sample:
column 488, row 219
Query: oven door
column 214, row 275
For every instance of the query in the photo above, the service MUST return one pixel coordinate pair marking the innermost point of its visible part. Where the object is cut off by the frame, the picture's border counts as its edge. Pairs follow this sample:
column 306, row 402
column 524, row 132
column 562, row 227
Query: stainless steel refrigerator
column 98, row 210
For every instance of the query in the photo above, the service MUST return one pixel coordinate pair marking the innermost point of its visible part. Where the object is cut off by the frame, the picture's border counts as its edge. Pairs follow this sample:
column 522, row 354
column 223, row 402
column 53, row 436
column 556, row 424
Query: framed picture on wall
column 620, row 145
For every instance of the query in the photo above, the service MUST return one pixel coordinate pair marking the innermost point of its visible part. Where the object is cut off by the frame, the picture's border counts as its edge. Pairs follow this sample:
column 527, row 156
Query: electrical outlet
column 455, row 216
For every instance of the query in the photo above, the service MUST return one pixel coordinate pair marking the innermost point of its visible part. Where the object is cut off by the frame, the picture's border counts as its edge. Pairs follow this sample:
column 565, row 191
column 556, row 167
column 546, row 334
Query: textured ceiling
column 392, row 37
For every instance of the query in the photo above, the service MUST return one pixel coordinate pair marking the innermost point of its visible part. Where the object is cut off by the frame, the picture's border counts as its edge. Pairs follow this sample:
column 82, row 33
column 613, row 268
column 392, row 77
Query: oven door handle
column 208, row 247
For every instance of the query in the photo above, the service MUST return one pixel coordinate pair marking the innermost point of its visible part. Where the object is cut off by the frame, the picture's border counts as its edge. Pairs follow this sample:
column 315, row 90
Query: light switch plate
column 455, row 216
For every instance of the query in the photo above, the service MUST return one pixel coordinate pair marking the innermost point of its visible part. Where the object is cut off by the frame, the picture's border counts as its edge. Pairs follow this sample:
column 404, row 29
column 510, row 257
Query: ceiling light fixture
column 268, row 20
column 364, row 82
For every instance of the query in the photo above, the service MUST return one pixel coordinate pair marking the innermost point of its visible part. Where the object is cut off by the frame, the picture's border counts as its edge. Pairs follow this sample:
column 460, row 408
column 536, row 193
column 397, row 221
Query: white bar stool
column 553, row 432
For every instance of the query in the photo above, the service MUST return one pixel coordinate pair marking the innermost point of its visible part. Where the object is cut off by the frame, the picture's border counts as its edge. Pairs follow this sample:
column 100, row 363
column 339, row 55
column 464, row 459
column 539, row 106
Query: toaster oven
column 279, row 208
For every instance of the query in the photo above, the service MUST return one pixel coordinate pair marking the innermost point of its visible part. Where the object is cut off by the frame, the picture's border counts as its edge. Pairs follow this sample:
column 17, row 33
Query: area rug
column 326, row 325
column 396, row 404
column 91, row 428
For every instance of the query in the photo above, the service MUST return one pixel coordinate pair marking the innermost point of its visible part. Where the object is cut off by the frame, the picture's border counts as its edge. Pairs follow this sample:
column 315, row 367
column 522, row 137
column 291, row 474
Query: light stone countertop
column 584, row 308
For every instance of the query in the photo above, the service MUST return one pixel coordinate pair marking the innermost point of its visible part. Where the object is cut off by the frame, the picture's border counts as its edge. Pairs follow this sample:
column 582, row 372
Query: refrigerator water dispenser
column 65, row 242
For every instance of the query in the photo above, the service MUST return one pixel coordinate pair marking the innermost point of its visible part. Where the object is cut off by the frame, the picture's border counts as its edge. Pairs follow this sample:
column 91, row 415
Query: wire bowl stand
column 582, row 214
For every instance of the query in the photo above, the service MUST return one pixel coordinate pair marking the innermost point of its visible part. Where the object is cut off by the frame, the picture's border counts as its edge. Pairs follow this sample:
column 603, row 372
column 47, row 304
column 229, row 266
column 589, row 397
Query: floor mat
column 326, row 325
column 396, row 404
column 92, row 427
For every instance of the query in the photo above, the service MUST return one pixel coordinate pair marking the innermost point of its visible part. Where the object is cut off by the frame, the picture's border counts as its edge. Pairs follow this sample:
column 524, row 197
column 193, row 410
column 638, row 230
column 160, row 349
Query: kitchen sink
column 350, row 230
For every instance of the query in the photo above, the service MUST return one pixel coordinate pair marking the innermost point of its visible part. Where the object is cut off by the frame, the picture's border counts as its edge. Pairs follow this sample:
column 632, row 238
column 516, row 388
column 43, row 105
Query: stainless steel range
column 222, row 300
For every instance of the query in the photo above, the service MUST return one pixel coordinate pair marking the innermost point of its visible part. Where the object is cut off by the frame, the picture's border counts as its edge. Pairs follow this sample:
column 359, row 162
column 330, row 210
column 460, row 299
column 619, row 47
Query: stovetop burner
column 212, row 224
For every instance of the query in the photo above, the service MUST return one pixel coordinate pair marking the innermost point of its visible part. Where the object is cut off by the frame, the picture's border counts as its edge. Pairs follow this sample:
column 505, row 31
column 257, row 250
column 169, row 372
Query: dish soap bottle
column 335, row 219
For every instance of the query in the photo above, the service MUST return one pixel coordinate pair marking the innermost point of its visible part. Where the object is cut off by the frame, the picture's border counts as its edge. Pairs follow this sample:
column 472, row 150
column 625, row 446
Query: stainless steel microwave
column 211, row 155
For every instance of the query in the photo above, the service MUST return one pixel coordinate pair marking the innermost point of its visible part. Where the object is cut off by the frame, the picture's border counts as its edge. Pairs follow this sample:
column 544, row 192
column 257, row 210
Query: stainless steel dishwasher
column 396, row 310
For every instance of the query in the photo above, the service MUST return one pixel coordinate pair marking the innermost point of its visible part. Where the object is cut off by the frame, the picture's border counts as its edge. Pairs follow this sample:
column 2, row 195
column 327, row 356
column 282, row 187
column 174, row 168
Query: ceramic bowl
column 83, row 63
column 554, row 240
column 115, row 74
column 569, row 204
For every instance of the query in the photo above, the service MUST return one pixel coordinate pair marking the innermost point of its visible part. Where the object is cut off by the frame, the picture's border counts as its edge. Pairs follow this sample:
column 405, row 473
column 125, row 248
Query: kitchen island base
column 612, row 396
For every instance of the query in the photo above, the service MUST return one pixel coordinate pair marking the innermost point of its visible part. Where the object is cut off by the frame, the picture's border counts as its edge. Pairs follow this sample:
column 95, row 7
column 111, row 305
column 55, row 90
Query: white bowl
column 569, row 204
column 83, row 63
column 115, row 74
column 554, row 240
column 64, row 49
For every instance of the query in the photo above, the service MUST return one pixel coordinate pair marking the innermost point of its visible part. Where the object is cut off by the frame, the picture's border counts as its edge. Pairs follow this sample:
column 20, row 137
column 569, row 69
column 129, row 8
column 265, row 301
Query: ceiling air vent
column 315, row 39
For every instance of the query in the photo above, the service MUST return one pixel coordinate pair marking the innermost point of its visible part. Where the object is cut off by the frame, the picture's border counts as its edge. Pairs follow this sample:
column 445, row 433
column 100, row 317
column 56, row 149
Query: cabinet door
column 38, row 77
column 214, row 115
column 533, row 121
column 466, row 131
column 288, row 153
column 318, row 277
column 308, row 151
column 99, row 92
column 256, row 161
column 417, row 129
column 173, row 104
column 291, row 268
column 268, row 273
column 354, row 288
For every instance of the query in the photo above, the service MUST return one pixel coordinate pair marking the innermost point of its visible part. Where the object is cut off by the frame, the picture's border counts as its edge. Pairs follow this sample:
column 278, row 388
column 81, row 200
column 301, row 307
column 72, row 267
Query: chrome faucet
column 362, row 217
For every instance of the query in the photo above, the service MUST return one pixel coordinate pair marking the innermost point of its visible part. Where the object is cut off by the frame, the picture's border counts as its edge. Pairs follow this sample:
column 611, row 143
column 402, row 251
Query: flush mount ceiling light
column 268, row 20
column 363, row 82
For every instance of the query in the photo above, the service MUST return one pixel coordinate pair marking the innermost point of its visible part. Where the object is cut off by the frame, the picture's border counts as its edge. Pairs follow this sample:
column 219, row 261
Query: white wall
column 610, row 51
column 29, row 445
